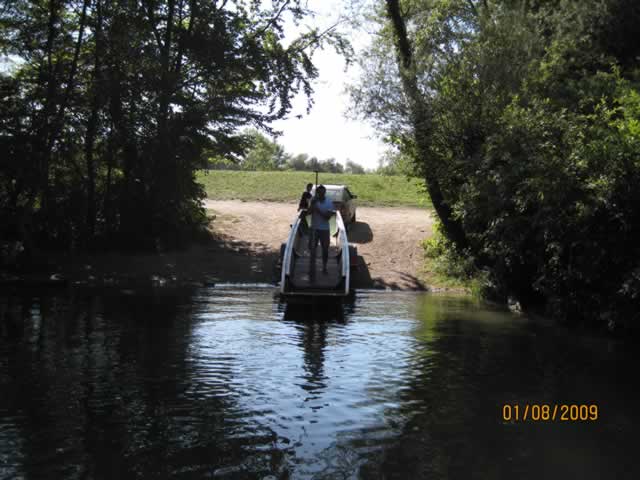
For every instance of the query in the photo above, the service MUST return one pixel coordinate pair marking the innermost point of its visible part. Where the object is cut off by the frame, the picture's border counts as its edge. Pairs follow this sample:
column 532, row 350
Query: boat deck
column 307, row 274
column 301, row 272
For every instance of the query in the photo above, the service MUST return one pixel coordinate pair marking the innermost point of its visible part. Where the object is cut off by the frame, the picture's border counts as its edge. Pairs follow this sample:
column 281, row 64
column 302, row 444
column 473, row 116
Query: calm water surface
column 225, row 382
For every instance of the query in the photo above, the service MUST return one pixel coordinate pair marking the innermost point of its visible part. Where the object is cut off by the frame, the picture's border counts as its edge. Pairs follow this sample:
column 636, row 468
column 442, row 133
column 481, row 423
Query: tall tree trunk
column 108, row 199
column 124, row 144
column 92, row 125
column 164, row 175
column 72, row 76
column 165, row 94
column 56, row 125
column 91, row 174
column 45, row 124
column 166, row 84
column 420, row 117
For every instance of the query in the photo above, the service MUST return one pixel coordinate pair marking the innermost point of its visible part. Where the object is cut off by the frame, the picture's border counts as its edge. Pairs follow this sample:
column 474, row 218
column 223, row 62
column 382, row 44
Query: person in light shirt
column 322, row 210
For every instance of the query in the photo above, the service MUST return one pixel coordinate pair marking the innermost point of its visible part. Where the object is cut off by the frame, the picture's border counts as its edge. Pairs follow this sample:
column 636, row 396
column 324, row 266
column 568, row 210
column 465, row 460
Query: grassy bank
column 371, row 189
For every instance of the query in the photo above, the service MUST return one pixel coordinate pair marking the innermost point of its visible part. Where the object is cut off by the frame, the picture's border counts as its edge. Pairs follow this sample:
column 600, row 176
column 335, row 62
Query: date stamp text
column 550, row 412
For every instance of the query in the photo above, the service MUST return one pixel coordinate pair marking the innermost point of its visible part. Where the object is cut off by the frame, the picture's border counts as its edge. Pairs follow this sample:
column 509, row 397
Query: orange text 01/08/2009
column 550, row 412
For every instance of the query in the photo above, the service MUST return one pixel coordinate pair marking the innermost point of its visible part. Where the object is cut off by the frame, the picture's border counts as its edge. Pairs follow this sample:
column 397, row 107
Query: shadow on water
column 313, row 321
column 469, row 363
column 104, row 386
column 318, row 311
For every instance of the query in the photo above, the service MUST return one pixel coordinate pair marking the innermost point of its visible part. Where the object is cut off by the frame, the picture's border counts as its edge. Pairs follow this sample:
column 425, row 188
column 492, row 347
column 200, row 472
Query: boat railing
column 343, row 244
column 288, row 251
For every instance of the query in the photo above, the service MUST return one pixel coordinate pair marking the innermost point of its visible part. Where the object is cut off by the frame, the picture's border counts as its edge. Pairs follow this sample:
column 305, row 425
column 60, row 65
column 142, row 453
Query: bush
column 539, row 158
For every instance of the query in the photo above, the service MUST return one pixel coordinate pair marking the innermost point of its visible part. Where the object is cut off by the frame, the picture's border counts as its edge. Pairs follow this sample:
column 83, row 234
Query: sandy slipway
column 387, row 238
column 245, row 246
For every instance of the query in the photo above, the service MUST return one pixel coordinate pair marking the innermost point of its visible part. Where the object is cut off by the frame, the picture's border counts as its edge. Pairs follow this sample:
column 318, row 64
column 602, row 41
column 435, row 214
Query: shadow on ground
column 360, row 232
column 218, row 259
column 361, row 278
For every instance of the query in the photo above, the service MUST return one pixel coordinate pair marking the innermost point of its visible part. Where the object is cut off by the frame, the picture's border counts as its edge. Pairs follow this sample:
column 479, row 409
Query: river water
column 226, row 382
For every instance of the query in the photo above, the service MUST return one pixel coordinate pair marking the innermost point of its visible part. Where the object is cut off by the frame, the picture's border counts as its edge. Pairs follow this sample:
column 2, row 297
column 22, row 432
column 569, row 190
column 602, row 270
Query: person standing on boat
column 305, row 199
column 303, row 209
column 321, row 211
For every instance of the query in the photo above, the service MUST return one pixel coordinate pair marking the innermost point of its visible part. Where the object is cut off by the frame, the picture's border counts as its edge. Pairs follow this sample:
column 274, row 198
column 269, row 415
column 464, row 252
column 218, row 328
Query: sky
column 326, row 132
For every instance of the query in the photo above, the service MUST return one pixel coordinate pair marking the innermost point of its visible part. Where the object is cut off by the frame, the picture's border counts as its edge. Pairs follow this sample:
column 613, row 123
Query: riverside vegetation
column 109, row 108
column 521, row 116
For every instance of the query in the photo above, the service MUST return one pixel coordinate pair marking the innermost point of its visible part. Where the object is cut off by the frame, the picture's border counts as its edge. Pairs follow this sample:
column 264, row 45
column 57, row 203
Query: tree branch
column 152, row 21
column 317, row 38
column 473, row 7
column 421, row 123
column 272, row 20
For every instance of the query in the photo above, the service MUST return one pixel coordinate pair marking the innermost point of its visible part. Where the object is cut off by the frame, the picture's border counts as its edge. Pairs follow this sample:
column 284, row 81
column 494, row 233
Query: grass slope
column 371, row 189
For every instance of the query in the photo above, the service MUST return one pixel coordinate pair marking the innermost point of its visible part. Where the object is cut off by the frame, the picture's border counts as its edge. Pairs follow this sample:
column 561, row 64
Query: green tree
column 313, row 164
column 394, row 162
column 330, row 165
column 521, row 116
column 354, row 168
column 114, row 105
column 298, row 162
column 264, row 154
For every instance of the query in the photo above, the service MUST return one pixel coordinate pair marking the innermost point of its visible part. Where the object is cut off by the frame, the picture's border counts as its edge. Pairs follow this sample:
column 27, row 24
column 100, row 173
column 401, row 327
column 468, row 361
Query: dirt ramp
column 387, row 238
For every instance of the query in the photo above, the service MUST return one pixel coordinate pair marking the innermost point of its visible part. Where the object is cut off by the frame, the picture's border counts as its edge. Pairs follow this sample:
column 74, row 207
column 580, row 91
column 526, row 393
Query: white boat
column 302, row 274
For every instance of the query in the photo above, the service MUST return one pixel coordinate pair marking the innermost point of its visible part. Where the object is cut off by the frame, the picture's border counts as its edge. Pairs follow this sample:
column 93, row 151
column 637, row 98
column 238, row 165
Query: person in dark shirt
column 305, row 200
column 303, row 208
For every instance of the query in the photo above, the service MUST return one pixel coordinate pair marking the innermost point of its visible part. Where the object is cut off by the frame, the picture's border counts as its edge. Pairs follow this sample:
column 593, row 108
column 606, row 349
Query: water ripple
column 227, row 382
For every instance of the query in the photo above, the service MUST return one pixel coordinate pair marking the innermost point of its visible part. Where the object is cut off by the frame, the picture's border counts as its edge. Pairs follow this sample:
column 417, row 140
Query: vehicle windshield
column 334, row 195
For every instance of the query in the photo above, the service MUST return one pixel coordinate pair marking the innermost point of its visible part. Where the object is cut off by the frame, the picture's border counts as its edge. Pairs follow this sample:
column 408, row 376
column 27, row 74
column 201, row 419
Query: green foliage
column 445, row 265
column 445, row 261
column 526, row 124
column 303, row 162
column 353, row 167
column 547, row 203
column 221, row 163
column 113, row 106
column 299, row 162
column 263, row 154
column 396, row 162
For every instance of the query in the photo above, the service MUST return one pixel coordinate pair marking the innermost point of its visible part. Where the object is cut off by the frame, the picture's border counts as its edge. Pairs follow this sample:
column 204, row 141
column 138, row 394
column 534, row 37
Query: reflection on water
column 229, row 383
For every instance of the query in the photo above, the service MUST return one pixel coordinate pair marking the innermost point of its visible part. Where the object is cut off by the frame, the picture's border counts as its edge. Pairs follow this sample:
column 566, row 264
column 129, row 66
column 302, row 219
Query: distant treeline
column 109, row 107
column 268, row 155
